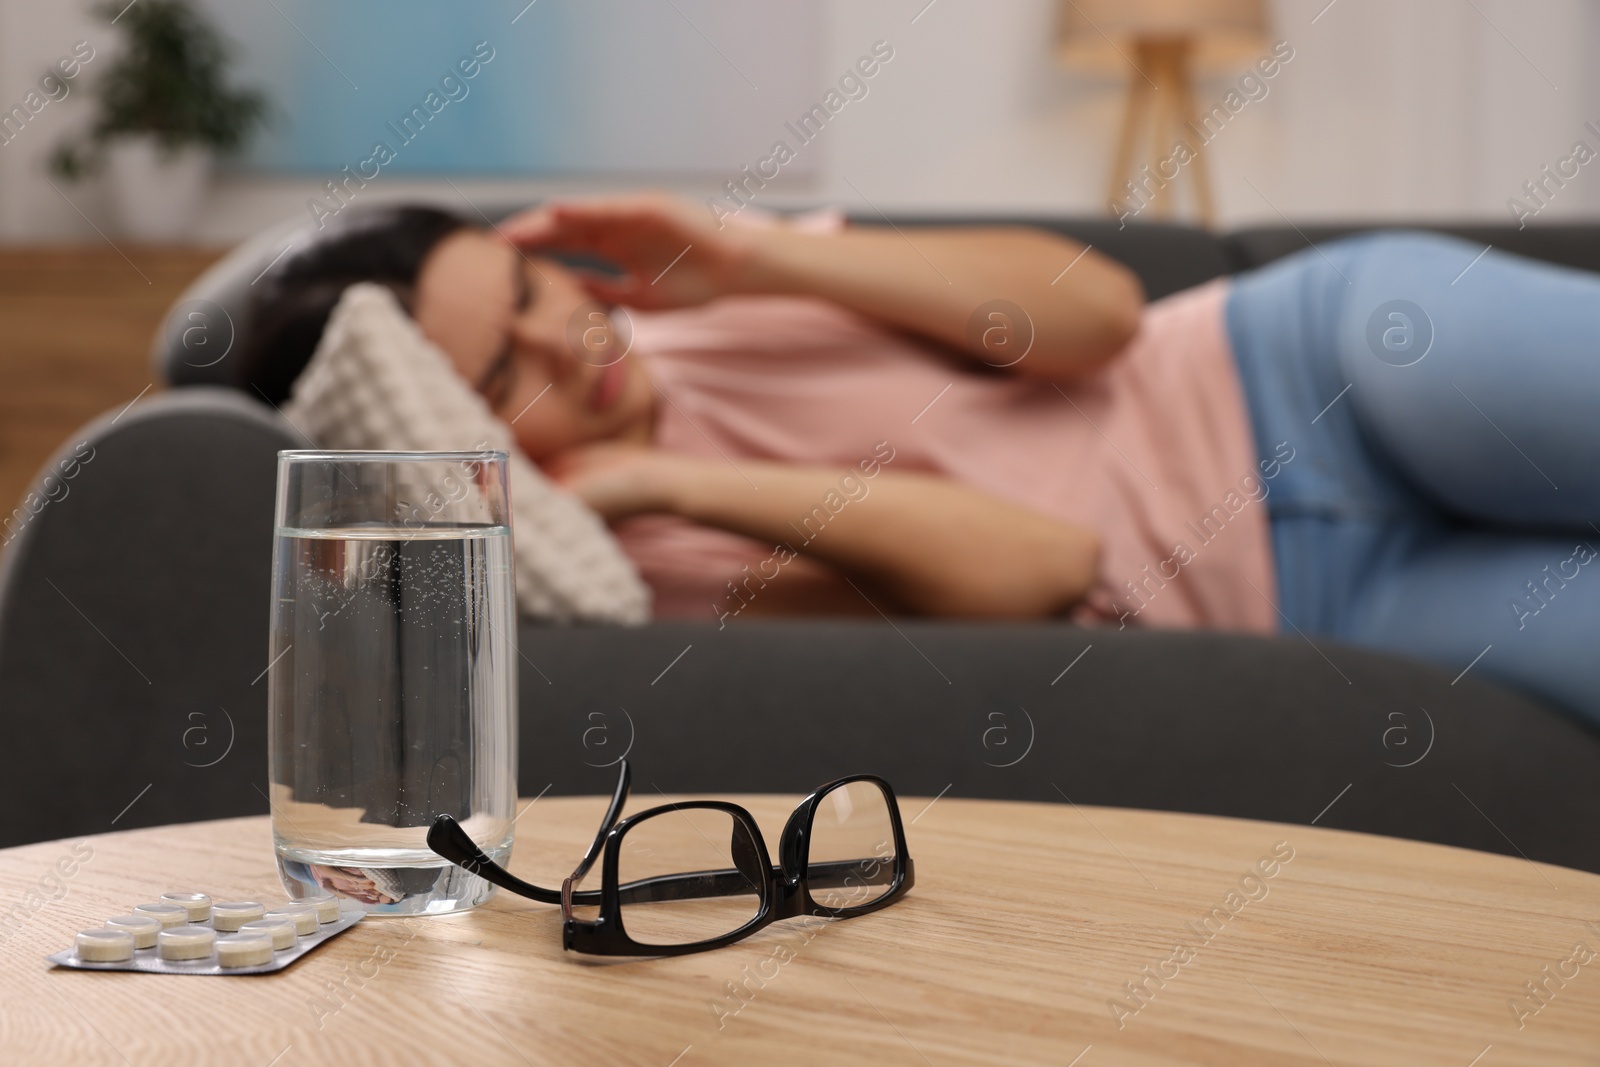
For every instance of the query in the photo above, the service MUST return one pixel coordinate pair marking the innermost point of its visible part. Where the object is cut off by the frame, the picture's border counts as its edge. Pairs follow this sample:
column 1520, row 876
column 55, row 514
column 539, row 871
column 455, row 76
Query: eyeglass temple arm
column 448, row 839
column 872, row 870
column 727, row 883
column 613, row 813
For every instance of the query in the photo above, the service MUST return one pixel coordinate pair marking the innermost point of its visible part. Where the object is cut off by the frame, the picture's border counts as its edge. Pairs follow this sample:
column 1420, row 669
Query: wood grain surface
column 1027, row 927
column 75, row 331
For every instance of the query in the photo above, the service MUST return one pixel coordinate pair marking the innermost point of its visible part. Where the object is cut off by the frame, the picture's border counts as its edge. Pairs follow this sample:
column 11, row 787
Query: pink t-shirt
column 1154, row 453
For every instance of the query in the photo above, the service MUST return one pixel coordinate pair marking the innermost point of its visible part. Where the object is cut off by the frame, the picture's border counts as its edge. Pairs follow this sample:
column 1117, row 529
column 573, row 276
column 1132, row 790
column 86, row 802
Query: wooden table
column 1018, row 945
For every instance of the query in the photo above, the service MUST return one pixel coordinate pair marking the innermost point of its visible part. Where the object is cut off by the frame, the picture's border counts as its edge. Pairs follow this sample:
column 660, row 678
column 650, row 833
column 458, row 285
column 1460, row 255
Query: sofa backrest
column 1167, row 257
column 1575, row 245
column 198, row 341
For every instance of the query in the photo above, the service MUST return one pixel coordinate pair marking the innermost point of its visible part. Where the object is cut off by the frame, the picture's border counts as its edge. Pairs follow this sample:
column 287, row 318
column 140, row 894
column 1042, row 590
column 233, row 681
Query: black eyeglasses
column 688, row 877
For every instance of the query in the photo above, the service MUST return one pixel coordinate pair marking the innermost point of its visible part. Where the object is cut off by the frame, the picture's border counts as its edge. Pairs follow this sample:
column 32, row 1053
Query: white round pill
column 141, row 927
column 104, row 946
column 198, row 905
column 228, row 917
column 243, row 950
column 280, row 932
column 186, row 943
column 303, row 917
column 168, row 915
column 326, row 906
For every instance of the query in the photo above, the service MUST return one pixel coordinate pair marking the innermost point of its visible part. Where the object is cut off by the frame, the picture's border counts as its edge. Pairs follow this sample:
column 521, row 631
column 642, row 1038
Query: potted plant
column 165, row 114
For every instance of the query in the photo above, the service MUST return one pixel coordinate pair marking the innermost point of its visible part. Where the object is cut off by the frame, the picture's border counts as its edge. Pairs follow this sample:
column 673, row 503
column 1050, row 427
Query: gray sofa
column 133, row 637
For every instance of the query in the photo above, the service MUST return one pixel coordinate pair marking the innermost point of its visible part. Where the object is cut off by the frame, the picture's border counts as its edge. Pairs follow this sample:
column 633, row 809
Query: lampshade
column 1223, row 33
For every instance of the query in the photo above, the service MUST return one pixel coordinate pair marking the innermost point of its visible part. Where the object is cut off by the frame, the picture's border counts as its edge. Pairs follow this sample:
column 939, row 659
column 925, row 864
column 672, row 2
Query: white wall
column 32, row 37
column 1430, row 108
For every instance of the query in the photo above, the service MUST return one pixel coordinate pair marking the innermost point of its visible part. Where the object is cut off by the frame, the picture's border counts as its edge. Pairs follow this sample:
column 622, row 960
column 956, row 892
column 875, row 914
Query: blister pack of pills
column 188, row 933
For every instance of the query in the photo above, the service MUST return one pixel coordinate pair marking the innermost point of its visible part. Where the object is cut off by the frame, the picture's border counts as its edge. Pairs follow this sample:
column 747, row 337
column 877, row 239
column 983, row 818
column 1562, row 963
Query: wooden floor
column 75, row 330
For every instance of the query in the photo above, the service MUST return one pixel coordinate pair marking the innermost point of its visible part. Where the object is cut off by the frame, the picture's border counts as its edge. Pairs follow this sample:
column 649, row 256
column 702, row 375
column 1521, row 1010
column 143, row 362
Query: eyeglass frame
column 785, row 891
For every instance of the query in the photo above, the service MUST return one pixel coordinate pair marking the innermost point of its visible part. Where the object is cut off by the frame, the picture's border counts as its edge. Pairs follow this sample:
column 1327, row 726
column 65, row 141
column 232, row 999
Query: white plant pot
column 155, row 196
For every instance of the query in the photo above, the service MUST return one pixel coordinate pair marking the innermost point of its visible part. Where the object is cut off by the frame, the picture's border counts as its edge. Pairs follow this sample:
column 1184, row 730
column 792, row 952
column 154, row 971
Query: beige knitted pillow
column 376, row 383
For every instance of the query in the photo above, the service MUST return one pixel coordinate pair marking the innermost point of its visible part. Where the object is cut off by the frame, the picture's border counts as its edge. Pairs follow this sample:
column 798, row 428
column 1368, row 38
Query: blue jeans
column 1443, row 501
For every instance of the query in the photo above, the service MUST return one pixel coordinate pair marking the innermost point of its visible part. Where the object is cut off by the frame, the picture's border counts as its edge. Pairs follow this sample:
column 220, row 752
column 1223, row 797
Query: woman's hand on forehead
column 672, row 253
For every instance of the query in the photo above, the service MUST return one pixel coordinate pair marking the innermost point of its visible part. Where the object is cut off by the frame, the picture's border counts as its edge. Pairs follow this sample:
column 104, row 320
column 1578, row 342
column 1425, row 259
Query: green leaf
column 170, row 81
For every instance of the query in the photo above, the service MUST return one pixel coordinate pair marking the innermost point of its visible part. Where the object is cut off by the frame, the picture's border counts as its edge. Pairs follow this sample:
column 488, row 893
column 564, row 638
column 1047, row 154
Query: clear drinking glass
column 392, row 690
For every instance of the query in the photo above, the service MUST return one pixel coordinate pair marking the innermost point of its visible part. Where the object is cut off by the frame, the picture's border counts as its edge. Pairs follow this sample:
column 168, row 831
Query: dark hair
column 293, row 302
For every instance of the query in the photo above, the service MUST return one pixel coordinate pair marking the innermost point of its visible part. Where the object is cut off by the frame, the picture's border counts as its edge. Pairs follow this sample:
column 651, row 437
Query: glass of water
column 392, row 690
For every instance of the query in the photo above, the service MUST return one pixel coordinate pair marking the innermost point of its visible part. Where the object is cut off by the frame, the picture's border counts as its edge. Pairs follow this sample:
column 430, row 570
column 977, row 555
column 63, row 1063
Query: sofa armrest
column 133, row 621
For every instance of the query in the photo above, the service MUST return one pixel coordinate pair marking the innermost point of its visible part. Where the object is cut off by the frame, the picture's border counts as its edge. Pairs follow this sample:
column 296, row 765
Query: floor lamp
column 1166, row 43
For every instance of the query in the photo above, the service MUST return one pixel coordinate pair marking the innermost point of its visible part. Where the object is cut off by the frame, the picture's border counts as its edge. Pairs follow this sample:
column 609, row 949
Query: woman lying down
column 1366, row 441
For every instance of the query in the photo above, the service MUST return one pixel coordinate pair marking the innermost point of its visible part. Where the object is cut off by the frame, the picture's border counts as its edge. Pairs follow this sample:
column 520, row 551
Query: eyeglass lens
column 688, row 875
column 852, row 855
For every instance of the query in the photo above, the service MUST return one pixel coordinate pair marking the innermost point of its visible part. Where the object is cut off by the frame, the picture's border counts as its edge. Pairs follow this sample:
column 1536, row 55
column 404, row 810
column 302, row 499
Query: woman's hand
column 350, row 882
column 620, row 480
column 930, row 545
column 672, row 252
